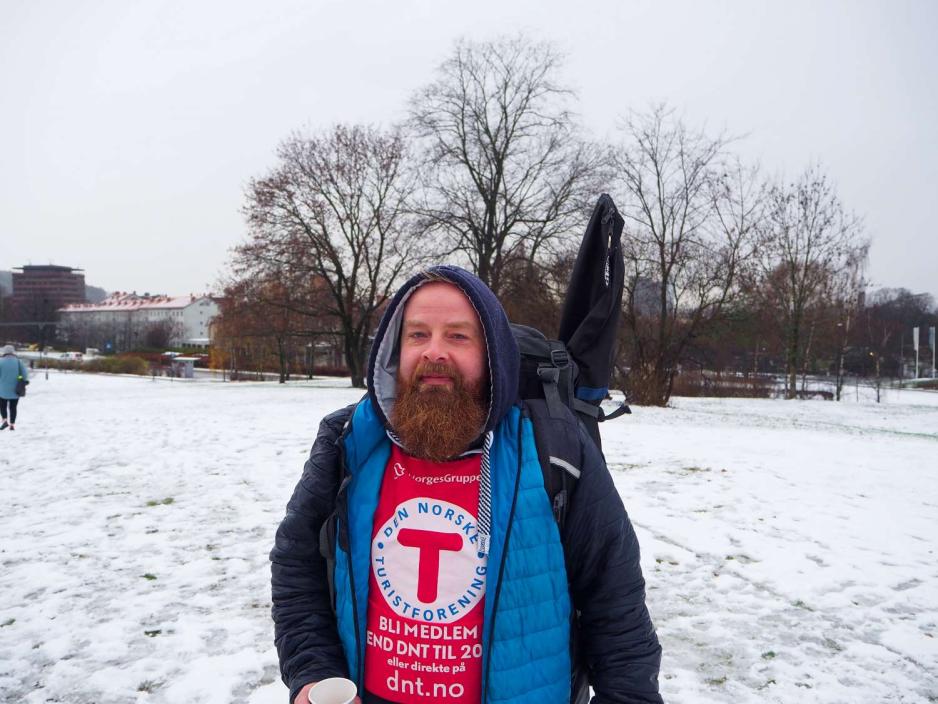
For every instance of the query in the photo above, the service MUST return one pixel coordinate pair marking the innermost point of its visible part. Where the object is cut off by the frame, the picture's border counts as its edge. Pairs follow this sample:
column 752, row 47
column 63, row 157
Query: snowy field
column 789, row 547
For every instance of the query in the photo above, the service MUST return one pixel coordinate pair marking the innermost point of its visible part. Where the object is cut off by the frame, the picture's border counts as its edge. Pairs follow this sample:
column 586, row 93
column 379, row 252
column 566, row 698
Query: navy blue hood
column 503, row 357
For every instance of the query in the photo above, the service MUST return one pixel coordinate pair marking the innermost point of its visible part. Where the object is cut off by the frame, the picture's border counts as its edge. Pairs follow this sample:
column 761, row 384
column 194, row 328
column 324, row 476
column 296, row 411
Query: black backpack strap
column 327, row 550
column 558, row 451
column 588, row 409
column 556, row 378
column 331, row 531
column 620, row 410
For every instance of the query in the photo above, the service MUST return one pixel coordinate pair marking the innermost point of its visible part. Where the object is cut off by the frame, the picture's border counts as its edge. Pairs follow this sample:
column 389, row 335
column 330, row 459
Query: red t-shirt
column 427, row 584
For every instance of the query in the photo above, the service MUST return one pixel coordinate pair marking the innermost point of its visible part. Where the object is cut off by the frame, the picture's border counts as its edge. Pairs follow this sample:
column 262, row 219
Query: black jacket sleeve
column 305, row 631
column 617, row 639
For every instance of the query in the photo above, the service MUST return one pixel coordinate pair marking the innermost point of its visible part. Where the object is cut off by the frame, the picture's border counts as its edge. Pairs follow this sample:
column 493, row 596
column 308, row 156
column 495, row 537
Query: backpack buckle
column 559, row 358
column 548, row 375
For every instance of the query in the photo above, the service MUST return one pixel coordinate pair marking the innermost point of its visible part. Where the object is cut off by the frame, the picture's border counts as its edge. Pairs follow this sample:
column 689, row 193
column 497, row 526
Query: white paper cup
column 335, row 690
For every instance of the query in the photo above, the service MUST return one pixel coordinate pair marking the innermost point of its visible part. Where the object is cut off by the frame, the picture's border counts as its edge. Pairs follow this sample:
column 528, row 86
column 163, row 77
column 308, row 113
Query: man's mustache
column 435, row 369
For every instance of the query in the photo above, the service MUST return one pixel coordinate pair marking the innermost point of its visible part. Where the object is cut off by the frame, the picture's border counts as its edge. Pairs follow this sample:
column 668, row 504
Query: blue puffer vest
column 526, row 634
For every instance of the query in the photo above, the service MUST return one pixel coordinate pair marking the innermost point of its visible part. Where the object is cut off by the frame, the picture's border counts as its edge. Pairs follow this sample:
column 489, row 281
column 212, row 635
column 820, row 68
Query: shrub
column 50, row 363
column 117, row 365
column 109, row 365
column 722, row 385
column 327, row 370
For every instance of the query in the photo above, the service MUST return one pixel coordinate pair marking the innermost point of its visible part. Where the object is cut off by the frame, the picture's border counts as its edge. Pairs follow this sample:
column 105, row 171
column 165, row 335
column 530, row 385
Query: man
column 451, row 581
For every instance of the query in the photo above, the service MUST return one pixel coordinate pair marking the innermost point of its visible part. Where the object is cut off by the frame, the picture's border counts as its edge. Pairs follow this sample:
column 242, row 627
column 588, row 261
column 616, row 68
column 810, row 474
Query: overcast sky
column 128, row 130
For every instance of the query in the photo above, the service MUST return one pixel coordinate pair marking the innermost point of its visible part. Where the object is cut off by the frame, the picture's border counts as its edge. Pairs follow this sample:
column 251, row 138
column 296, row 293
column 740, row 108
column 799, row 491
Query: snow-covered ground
column 789, row 547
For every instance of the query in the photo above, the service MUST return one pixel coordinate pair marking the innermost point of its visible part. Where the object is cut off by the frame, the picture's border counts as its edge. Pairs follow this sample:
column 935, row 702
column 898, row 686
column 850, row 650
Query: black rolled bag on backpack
column 613, row 646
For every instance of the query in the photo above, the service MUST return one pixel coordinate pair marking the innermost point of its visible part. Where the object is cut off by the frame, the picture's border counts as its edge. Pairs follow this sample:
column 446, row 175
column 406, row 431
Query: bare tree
column 273, row 311
column 889, row 317
column 806, row 241
column 882, row 327
column 38, row 314
column 251, row 329
column 690, row 214
column 847, row 288
column 336, row 207
column 507, row 173
column 161, row 334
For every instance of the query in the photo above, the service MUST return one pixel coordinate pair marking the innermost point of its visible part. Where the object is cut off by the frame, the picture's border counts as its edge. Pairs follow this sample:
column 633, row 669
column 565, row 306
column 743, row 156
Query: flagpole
column 931, row 335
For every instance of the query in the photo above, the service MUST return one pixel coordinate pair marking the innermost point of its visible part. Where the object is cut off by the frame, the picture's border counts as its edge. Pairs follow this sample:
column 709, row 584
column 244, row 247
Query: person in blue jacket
column 11, row 371
column 562, row 606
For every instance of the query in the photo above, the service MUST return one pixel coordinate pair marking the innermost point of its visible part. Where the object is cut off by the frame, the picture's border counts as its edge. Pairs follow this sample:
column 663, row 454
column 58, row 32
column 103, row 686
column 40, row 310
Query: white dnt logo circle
column 426, row 561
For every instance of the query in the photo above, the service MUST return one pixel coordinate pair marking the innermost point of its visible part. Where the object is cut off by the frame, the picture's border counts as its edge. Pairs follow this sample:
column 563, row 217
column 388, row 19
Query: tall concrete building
column 42, row 289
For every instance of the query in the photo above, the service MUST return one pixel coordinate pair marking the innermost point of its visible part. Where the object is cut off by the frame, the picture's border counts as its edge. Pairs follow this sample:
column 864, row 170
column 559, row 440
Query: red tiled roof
column 128, row 301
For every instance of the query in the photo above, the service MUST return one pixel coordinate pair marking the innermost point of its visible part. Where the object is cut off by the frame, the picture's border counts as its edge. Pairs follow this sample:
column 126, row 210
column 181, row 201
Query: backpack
column 563, row 382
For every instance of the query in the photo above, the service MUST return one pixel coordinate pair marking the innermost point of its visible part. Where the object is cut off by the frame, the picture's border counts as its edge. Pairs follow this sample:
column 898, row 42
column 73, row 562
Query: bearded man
column 419, row 555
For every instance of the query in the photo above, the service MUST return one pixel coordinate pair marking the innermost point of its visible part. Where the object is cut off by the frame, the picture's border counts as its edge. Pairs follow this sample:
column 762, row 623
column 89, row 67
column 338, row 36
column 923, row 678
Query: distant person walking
column 13, row 376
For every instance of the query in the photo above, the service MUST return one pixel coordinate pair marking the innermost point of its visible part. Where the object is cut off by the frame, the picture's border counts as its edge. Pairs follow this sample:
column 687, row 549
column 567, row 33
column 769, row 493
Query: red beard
column 437, row 422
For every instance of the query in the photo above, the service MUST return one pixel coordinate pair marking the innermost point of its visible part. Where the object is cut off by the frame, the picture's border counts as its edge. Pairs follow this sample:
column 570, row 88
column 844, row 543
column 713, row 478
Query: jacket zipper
column 359, row 679
column 501, row 567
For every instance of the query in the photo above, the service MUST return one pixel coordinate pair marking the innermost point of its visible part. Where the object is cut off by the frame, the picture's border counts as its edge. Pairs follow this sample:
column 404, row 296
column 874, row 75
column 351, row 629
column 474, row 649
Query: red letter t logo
column 430, row 543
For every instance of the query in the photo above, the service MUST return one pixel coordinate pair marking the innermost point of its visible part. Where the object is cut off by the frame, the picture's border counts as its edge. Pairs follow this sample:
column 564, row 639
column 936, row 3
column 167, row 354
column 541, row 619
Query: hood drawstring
column 485, row 496
column 484, row 520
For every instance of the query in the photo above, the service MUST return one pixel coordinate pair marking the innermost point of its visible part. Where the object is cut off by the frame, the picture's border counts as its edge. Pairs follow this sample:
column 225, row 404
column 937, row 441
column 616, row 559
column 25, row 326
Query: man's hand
column 303, row 696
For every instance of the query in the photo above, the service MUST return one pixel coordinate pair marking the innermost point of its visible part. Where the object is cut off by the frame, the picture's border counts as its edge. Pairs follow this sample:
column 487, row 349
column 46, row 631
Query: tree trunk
column 485, row 271
column 282, row 359
column 842, row 353
column 355, row 359
column 840, row 374
column 806, row 360
column 668, row 386
column 791, row 364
